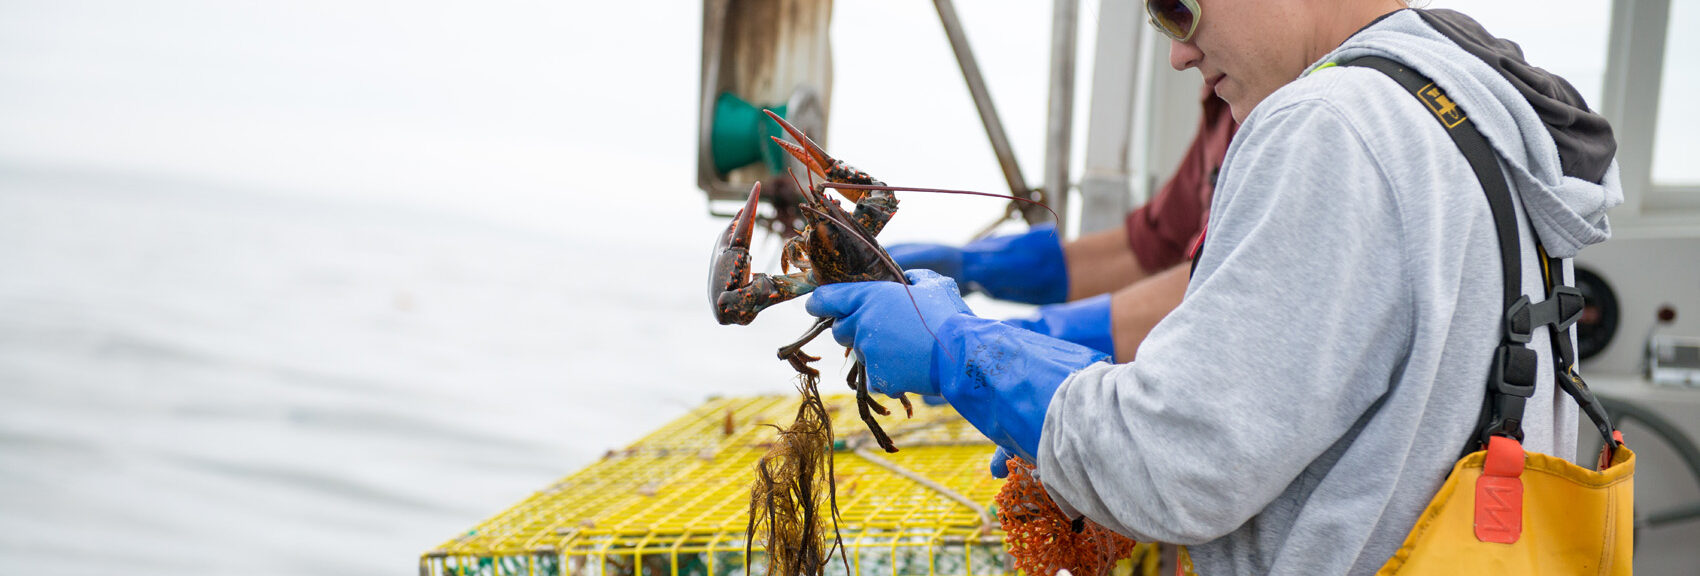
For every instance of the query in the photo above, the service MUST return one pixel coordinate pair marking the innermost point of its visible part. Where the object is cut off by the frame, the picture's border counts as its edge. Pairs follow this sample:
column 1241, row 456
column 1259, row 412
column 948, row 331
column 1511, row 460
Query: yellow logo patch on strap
column 1441, row 106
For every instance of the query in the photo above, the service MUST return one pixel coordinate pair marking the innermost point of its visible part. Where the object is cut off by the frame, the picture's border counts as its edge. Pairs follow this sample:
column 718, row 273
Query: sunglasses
column 1177, row 19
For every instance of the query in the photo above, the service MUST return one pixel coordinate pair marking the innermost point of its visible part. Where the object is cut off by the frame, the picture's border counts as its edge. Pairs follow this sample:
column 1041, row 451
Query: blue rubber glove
column 1000, row 463
column 1026, row 267
column 999, row 377
column 1084, row 322
column 879, row 321
column 941, row 258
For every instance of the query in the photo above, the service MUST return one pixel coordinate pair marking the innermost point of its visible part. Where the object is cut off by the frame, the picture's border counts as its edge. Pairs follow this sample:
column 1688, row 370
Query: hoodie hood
column 1585, row 143
column 1558, row 153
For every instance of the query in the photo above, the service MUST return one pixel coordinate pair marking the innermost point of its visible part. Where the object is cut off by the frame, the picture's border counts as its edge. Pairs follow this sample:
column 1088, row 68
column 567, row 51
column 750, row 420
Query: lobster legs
column 857, row 379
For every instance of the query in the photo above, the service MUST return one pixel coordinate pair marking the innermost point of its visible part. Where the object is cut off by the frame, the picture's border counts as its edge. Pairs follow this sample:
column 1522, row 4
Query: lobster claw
column 743, row 226
column 830, row 169
column 805, row 150
column 729, row 267
column 735, row 293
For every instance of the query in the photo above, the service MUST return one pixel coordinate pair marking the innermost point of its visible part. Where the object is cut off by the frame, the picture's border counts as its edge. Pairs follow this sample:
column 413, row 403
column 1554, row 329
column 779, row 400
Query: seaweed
column 787, row 496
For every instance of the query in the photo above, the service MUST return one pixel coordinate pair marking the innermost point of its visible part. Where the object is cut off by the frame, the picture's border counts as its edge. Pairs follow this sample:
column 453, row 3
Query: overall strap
column 1566, row 303
column 1511, row 380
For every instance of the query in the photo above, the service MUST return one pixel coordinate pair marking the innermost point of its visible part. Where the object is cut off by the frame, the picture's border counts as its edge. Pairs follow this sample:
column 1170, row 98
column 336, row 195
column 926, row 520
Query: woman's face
column 1247, row 49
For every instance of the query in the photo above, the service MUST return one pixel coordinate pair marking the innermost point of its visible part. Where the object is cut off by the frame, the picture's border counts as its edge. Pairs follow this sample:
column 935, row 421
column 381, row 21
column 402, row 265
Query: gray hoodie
column 1301, row 407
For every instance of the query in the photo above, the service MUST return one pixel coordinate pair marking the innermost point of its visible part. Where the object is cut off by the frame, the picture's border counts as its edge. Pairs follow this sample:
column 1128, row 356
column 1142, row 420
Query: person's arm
column 1104, row 262
column 1136, row 309
column 1292, row 330
column 1101, row 262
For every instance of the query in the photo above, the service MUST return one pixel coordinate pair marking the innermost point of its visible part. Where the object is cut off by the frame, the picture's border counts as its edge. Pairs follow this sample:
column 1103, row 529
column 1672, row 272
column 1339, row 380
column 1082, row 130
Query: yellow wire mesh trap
column 676, row 502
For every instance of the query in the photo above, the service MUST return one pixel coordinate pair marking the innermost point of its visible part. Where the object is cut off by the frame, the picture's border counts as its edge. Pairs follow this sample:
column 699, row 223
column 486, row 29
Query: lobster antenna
column 849, row 186
column 809, row 192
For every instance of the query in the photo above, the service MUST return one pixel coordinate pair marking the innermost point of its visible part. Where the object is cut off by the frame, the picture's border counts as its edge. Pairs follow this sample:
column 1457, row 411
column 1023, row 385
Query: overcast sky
column 540, row 112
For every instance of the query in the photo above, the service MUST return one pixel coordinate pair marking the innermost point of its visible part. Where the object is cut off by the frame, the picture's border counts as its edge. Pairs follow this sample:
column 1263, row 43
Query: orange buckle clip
column 1499, row 492
column 1609, row 450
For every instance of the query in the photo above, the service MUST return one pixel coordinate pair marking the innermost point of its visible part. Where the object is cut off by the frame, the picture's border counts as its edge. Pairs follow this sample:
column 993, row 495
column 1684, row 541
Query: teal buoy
column 740, row 135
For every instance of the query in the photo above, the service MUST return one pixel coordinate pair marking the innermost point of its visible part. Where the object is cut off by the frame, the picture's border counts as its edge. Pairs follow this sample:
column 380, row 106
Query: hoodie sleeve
column 1291, row 330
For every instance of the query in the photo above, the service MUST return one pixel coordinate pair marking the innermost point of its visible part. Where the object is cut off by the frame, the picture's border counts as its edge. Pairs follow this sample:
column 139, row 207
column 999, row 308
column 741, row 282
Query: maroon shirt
column 1163, row 230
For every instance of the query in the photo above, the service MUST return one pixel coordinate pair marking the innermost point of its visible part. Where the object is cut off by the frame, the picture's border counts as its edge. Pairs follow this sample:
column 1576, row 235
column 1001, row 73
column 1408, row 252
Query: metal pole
column 1106, row 188
column 1630, row 99
column 1059, row 127
column 988, row 112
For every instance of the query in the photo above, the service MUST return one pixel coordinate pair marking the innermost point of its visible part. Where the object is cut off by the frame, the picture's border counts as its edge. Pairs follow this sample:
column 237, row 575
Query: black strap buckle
column 1510, row 384
column 1561, row 311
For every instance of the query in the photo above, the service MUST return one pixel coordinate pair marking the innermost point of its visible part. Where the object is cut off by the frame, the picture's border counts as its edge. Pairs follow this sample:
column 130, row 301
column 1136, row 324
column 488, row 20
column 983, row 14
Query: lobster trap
column 676, row 503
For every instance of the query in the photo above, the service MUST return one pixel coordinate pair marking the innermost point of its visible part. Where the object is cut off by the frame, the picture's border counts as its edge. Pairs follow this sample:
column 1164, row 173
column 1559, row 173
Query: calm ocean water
column 201, row 380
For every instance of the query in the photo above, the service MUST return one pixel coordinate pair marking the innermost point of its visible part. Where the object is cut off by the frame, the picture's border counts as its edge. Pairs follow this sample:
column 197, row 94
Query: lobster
column 834, row 246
